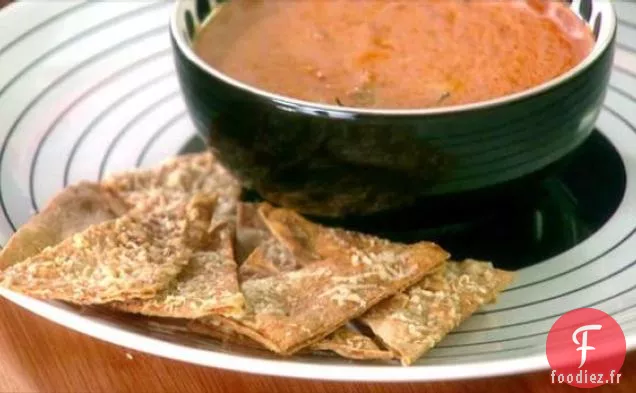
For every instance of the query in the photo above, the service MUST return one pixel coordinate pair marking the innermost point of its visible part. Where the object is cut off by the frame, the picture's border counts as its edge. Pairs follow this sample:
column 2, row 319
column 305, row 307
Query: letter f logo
column 583, row 344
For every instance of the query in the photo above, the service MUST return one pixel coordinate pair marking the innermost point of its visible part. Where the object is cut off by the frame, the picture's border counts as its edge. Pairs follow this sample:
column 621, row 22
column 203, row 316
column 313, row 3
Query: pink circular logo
column 586, row 348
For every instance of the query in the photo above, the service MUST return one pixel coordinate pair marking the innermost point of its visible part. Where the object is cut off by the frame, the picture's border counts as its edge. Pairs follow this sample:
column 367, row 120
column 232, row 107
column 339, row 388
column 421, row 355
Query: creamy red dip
column 394, row 53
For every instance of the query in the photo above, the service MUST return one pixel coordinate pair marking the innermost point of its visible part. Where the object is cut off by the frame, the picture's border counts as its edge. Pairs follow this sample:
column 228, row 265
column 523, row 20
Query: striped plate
column 88, row 88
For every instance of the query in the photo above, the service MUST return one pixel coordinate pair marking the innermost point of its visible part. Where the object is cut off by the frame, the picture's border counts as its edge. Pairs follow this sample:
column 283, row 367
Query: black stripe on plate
column 625, row 70
column 625, row 47
column 623, row 309
column 121, row 133
column 596, row 303
column 604, row 253
column 627, row 23
column 631, row 233
column 624, row 93
column 555, row 297
column 40, row 26
column 626, row 322
column 563, row 294
column 43, row 57
column 630, row 95
column 92, row 89
column 5, row 48
column 61, row 79
column 103, row 114
column 160, row 131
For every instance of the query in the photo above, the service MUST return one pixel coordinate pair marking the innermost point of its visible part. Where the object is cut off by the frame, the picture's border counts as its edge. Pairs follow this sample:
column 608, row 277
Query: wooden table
column 38, row 356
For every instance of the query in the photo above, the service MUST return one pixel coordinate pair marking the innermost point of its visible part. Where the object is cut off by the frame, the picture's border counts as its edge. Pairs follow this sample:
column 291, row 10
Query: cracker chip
column 269, row 259
column 219, row 329
column 248, row 217
column 351, row 344
column 71, row 211
column 293, row 310
column 300, row 236
column 176, row 177
column 207, row 285
column 312, row 242
column 266, row 256
column 134, row 256
column 250, row 230
column 413, row 322
column 346, row 341
column 273, row 258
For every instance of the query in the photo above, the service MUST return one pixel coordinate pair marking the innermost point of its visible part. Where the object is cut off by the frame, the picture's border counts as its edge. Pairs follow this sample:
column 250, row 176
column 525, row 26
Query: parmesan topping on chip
column 294, row 309
column 72, row 210
column 132, row 257
column 413, row 322
column 206, row 286
column 176, row 177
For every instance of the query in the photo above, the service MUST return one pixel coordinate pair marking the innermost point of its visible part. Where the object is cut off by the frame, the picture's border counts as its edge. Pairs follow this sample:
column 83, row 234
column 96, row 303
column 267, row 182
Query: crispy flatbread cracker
column 413, row 322
column 250, row 230
column 208, row 285
column 308, row 242
column 269, row 259
column 300, row 236
column 312, row 242
column 273, row 258
column 248, row 217
column 132, row 257
column 71, row 211
column 179, row 176
column 266, row 256
column 77, row 207
column 346, row 341
column 219, row 329
column 293, row 310
column 253, row 232
column 352, row 344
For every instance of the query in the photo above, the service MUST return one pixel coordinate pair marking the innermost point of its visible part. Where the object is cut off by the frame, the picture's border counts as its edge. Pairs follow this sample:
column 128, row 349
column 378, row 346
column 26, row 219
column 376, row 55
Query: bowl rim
column 600, row 47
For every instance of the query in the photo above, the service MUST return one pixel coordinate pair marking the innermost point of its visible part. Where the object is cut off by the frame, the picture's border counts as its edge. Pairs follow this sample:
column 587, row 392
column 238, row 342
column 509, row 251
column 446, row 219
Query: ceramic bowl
column 332, row 161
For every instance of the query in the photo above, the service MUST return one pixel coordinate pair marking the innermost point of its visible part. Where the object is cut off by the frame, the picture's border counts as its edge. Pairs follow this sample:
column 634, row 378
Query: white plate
column 88, row 88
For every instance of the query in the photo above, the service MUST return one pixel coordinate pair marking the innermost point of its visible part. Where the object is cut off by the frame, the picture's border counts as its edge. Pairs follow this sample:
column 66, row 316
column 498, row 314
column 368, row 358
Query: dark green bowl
column 336, row 161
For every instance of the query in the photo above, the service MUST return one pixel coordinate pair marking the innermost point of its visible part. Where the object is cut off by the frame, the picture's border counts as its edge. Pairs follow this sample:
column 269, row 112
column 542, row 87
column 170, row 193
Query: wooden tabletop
column 38, row 356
